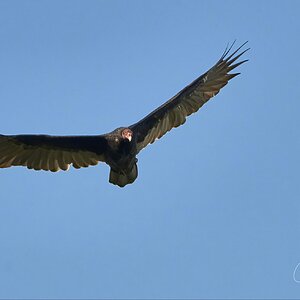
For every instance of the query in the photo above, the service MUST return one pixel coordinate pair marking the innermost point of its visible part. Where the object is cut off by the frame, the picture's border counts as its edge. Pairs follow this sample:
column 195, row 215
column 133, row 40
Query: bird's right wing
column 45, row 152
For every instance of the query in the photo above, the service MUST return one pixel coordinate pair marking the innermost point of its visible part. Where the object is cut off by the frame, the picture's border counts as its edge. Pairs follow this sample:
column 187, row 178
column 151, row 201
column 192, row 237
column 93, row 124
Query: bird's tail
column 124, row 177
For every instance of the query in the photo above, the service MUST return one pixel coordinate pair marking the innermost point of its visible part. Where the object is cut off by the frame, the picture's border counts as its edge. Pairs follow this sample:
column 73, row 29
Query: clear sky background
column 215, row 211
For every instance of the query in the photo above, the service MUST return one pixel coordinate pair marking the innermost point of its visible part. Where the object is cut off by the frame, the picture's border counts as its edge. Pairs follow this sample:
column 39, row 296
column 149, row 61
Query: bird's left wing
column 45, row 152
column 173, row 113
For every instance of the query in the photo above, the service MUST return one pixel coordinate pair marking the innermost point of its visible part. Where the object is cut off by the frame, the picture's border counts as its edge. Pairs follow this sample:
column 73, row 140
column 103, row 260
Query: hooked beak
column 129, row 138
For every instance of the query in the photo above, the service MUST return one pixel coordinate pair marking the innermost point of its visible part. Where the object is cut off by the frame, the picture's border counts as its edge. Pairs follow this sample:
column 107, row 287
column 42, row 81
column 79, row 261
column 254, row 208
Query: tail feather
column 123, row 178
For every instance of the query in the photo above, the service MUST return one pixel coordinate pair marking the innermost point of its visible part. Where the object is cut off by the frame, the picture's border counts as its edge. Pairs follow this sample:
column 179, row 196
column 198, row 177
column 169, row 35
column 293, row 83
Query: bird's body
column 121, row 157
column 119, row 148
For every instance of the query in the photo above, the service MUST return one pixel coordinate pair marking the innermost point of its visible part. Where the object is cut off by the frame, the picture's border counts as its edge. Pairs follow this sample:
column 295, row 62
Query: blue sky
column 215, row 210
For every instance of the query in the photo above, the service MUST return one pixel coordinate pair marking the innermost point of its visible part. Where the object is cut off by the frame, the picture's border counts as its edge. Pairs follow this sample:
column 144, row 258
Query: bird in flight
column 120, row 147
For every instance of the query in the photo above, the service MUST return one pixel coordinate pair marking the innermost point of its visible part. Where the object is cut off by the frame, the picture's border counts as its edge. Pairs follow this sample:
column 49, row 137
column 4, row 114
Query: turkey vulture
column 119, row 148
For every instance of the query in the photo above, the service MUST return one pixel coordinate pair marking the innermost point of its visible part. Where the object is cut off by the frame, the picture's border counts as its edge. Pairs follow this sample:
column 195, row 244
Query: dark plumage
column 119, row 148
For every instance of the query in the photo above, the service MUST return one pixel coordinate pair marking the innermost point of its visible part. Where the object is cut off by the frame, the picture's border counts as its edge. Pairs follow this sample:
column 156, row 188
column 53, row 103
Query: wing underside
column 173, row 113
column 50, row 153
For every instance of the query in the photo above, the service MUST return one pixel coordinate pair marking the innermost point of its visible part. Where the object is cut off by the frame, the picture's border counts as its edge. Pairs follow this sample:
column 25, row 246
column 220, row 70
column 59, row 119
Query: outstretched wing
column 173, row 113
column 45, row 152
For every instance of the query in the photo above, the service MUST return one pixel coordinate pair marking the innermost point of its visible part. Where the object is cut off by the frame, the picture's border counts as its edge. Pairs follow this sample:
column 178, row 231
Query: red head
column 127, row 134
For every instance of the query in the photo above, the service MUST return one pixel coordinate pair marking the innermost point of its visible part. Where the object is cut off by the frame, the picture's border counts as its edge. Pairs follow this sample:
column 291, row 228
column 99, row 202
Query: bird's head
column 127, row 134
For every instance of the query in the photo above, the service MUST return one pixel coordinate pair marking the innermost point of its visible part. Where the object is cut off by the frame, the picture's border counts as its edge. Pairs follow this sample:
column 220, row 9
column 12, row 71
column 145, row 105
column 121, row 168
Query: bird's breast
column 121, row 155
